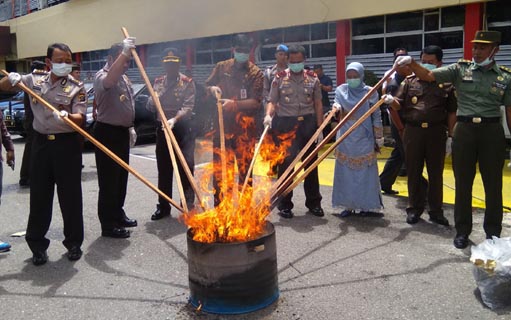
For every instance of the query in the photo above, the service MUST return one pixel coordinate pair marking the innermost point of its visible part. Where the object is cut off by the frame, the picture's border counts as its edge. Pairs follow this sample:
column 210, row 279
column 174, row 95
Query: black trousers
column 305, row 129
column 239, row 150
column 112, row 178
column 394, row 162
column 25, row 162
column 425, row 145
column 56, row 160
column 186, row 141
column 482, row 143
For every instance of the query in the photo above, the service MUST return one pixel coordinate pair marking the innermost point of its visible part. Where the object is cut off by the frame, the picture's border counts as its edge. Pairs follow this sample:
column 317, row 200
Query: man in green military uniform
column 482, row 87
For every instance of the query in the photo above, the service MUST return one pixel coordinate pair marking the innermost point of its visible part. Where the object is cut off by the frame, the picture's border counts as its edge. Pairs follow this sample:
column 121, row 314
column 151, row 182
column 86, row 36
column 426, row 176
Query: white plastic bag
column 492, row 271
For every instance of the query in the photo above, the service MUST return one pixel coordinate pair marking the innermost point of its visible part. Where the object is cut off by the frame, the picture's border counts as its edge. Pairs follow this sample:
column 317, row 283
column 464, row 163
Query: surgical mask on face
column 353, row 83
column 296, row 67
column 428, row 66
column 61, row 69
column 486, row 61
column 240, row 57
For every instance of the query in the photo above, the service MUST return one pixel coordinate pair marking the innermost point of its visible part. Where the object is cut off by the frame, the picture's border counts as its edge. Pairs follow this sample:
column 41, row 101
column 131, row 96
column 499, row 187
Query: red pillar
column 343, row 48
column 189, row 55
column 473, row 22
column 78, row 58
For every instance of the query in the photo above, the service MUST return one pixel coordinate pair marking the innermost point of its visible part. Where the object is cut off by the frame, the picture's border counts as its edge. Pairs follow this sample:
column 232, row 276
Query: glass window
column 411, row 43
column 203, row 44
column 332, row 30
column 272, row 36
column 221, row 55
column 203, row 58
column 368, row 46
column 296, row 34
column 453, row 16
column 404, row 22
column 431, row 22
column 221, row 42
column 267, row 54
column 324, row 50
column 364, row 26
column 498, row 11
column 445, row 40
column 319, row 31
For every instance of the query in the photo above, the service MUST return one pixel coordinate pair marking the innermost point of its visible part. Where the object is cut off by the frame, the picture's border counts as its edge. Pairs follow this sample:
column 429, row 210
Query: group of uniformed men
column 292, row 99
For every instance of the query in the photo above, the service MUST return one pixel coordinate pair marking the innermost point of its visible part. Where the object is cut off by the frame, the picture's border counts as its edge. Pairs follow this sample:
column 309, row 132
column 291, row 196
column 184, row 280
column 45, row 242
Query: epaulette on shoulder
column 186, row 78
column 77, row 82
column 40, row 72
column 159, row 79
column 410, row 76
column 464, row 61
column 311, row 73
column 281, row 74
column 505, row 69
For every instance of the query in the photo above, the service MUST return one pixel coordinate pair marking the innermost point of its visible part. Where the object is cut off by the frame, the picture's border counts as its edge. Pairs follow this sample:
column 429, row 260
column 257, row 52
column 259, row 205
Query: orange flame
column 238, row 217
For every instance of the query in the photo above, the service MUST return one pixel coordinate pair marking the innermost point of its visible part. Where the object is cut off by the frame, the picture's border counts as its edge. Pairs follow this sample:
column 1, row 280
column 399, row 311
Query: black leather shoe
column 286, row 213
column 389, row 192
column 116, row 233
column 75, row 253
column 412, row 218
column 128, row 223
column 318, row 212
column 39, row 258
column 461, row 241
column 158, row 214
column 440, row 219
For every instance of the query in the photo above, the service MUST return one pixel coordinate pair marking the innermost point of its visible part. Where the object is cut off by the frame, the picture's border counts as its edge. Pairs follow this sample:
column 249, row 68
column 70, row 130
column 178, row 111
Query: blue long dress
column 356, row 182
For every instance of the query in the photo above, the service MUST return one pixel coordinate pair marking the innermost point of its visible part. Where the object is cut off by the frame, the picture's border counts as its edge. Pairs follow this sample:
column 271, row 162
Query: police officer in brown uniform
column 295, row 103
column 482, row 86
column 240, row 83
column 113, row 95
column 56, row 155
column 429, row 113
column 177, row 98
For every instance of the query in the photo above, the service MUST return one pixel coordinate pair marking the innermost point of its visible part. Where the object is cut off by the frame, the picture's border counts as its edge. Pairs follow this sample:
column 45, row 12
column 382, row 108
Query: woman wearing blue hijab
column 356, row 182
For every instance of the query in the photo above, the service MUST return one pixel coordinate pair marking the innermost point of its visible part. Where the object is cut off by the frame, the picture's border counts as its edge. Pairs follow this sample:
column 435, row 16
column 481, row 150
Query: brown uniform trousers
column 425, row 107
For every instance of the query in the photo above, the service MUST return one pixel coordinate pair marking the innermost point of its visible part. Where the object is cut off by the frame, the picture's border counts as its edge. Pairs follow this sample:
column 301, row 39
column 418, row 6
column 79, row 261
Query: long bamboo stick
column 97, row 143
column 329, row 150
column 251, row 167
column 169, row 135
column 300, row 155
column 223, row 155
column 283, row 185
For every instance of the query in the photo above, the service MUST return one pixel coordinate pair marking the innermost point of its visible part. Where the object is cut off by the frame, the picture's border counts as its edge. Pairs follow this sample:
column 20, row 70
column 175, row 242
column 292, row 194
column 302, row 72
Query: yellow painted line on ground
column 326, row 174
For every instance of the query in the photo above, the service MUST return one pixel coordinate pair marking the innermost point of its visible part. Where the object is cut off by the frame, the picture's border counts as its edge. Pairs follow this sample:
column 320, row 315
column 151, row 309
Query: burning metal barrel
column 233, row 278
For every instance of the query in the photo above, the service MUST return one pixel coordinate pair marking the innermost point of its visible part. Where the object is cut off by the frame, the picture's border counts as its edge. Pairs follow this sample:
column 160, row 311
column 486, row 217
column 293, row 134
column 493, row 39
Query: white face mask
column 486, row 61
column 61, row 69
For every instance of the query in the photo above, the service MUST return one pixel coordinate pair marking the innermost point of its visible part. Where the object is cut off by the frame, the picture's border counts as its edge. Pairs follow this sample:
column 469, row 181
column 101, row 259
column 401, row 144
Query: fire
column 238, row 217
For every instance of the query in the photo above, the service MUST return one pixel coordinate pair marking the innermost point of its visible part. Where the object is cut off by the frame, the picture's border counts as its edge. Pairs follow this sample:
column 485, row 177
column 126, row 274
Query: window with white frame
column 410, row 30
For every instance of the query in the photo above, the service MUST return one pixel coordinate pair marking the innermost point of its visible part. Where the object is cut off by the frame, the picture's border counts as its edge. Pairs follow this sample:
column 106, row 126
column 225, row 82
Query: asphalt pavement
column 328, row 268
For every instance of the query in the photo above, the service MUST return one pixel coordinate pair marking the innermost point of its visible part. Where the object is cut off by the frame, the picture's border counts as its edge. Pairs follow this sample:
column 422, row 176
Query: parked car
column 14, row 116
column 4, row 104
column 145, row 120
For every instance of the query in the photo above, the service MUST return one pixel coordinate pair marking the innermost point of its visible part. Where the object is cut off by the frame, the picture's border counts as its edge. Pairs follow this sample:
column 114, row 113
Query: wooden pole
column 97, row 144
column 169, row 135
column 283, row 185
column 256, row 152
column 329, row 150
column 223, row 155
column 300, row 155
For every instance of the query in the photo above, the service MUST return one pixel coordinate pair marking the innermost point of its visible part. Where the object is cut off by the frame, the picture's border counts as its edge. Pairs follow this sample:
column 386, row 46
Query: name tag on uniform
column 243, row 93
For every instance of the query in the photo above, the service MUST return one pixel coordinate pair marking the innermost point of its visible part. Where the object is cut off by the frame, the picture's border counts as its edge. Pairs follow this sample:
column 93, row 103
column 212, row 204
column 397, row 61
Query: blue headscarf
column 349, row 97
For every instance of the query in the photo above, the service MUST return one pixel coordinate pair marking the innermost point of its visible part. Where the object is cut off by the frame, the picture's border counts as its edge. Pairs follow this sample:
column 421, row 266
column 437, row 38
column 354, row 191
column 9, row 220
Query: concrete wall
column 87, row 25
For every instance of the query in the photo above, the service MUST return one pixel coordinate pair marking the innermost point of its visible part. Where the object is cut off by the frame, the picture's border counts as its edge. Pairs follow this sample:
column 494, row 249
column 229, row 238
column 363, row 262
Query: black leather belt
column 477, row 119
column 423, row 125
column 299, row 118
column 55, row 136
